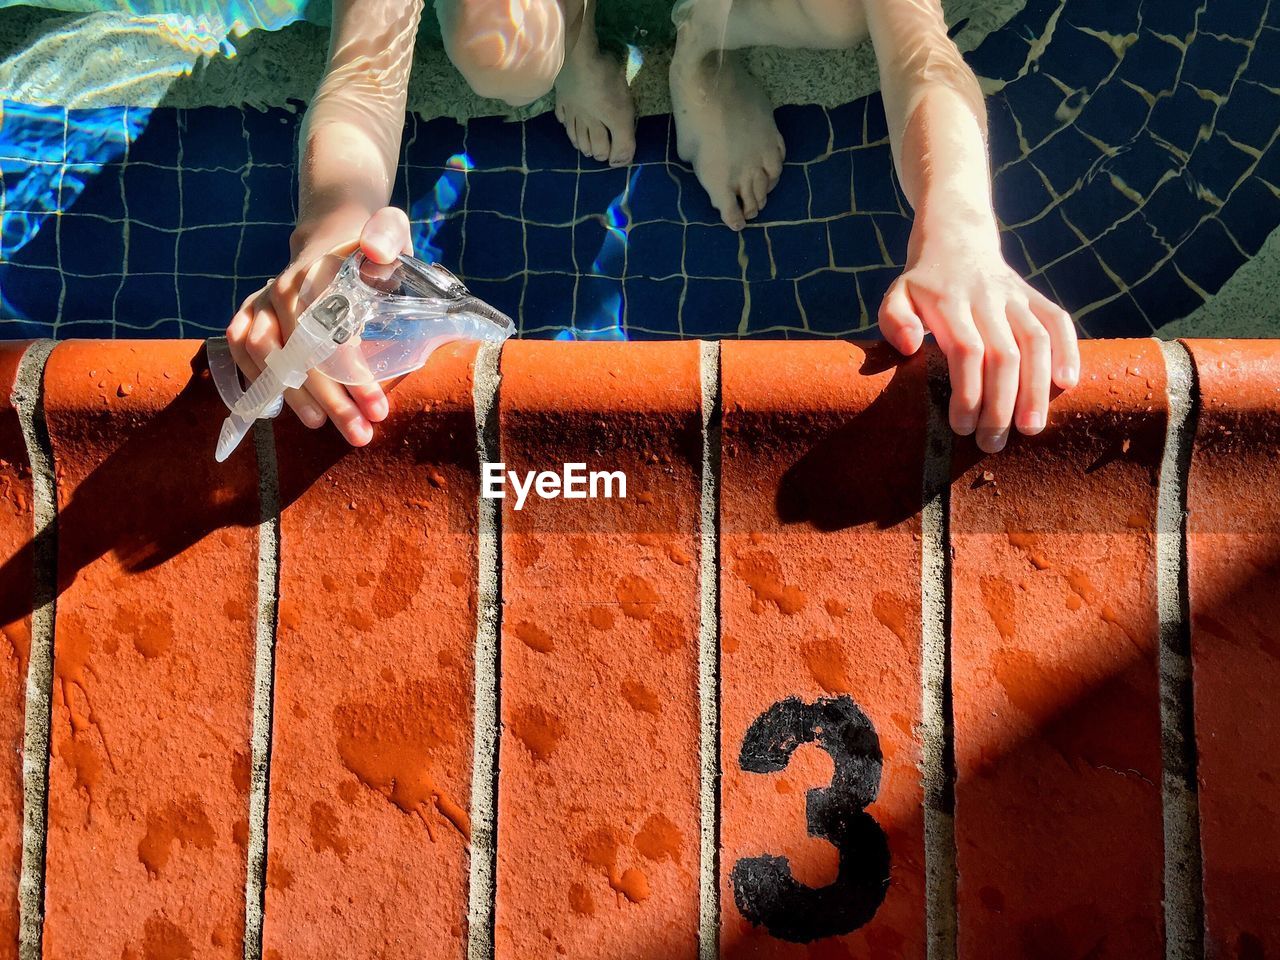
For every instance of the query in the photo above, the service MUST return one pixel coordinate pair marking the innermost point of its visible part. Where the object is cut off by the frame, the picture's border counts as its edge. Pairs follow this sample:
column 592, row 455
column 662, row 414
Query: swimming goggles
column 374, row 322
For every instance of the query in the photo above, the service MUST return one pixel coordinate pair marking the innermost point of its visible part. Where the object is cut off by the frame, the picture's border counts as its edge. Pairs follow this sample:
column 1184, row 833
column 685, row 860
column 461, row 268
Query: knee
column 505, row 54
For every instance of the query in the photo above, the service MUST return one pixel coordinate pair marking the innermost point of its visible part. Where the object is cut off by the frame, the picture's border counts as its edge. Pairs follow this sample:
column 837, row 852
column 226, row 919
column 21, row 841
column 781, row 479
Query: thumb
column 385, row 235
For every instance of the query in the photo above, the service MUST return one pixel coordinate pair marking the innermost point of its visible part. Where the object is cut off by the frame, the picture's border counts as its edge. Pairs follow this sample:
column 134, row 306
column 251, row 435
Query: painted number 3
column 763, row 887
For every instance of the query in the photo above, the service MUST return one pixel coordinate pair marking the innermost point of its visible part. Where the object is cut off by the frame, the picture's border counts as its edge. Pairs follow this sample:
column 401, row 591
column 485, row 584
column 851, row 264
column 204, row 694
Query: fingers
column 1062, row 338
column 898, row 320
column 1001, row 365
column 952, row 324
column 1032, row 409
column 386, row 235
column 372, row 401
column 341, row 408
column 264, row 337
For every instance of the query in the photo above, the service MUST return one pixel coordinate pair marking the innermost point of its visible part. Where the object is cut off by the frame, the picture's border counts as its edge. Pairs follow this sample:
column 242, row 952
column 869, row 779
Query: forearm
column 350, row 139
column 936, row 115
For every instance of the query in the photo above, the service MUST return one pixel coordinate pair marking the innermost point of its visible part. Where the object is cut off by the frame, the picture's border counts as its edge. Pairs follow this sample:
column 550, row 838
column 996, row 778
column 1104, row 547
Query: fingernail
column 378, row 408
column 966, row 425
column 361, row 432
column 1033, row 422
column 313, row 417
column 1068, row 375
column 993, row 441
column 384, row 245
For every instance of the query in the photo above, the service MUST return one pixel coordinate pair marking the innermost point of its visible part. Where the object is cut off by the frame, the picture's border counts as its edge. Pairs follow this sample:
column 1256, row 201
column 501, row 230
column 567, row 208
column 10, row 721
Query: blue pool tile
column 550, row 248
column 1143, row 164
column 1181, row 117
column 1034, row 99
column 547, row 146
column 1078, row 59
column 653, row 304
column 1151, row 63
column 1165, row 296
column 29, row 292
column 654, row 195
column 1175, row 209
column 600, row 308
column 1120, row 317
column 1001, row 55
column 151, row 250
column 90, row 245
column 1096, row 207
column 712, row 307
column 152, row 196
column 436, row 141
column 588, row 243
column 1002, row 132
column 549, row 197
column 830, row 301
column 1219, row 166
column 272, row 135
column 896, row 233
column 1048, row 238
column 1014, row 255
column 773, row 304
column 1264, row 64
column 89, row 298
column 1079, row 280
column 711, row 251
column 873, row 190
column 652, row 134
column 695, row 205
column 1177, row 19
column 503, row 294
column 1211, row 64
column 548, row 300
column 209, row 250
column 799, row 248
column 847, row 124
column 213, row 137
column 494, row 142
column 877, row 121
column 1066, row 159
column 497, row 191
column 1251, row 214
column 789, row 200
column 805, row 131
column 598, row 188
column 273, row 195
column 444, row 236
column 1208, row 257
column 493, row 246
column 831, row 185
column 1114, row 114
column 872, row 286
column 157, row 143
column 211, row 196
column 853, row 241
column 755, row 244
column 1247, row 117
column 1130, row 248
column 101, row 194
column 208, row 302
column 656, row 248
column 264, row 249
column 1104, row 16
column 1020, row 193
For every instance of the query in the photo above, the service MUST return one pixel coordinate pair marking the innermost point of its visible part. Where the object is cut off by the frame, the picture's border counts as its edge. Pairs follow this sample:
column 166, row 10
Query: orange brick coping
column 827, row 683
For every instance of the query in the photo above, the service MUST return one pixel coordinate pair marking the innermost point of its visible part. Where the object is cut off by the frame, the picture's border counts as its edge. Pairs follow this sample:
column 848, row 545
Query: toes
column 599, row 137
column 726, row 201
column 747, row 195
column 623, row 146
column 760, row 188
column 571, row 128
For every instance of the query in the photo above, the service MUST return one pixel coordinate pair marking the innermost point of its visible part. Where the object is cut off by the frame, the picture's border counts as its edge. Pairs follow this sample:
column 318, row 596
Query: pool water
column 1135, row 150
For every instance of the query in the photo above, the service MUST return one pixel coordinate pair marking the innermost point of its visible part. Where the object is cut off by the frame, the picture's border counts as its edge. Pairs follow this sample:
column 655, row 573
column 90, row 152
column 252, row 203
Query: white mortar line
column 709, row 657
column 935, row 722
column 264, row 666
column 482, row 891
column 28, row 398
column 1183, row 894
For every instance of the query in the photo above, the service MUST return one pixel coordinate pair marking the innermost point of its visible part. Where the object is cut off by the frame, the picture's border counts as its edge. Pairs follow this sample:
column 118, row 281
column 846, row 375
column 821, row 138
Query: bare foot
column 594, row 104
column 725, row 128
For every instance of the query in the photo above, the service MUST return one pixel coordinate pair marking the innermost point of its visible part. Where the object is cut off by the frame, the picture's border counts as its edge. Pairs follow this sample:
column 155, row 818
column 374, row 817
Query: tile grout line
column 28, row 398
column 482, row 889
column 263, row 685
column 709, row 656
column 938, row 766
column 1183, row 893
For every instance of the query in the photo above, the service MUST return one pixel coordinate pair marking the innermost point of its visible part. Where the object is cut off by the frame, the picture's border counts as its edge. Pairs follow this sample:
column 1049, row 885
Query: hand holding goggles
column 374, row 322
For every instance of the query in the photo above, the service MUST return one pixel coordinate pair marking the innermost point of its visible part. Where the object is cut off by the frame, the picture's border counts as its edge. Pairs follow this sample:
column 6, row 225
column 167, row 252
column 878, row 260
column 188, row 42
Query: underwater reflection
column 429, row 213
column 603, row 319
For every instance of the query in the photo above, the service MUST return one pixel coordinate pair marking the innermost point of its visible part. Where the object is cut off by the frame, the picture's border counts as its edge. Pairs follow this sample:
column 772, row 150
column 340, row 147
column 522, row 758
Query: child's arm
column 1004, row 341
column 349, row 146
